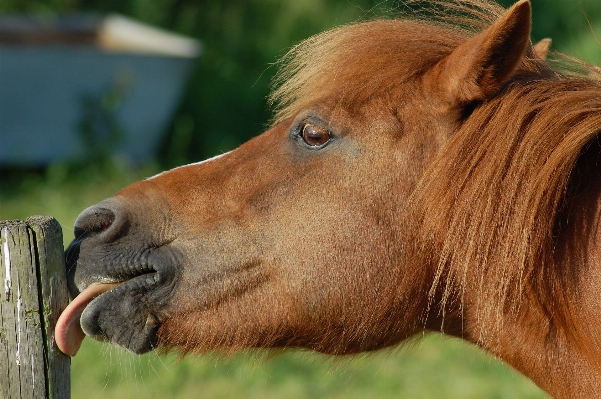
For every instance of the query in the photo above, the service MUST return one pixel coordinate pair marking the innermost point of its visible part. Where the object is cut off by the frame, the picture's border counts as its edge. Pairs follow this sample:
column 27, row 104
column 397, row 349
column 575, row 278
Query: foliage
column 99, row 128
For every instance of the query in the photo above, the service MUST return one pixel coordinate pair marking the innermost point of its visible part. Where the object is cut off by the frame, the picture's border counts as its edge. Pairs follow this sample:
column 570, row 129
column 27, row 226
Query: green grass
column 434, row 367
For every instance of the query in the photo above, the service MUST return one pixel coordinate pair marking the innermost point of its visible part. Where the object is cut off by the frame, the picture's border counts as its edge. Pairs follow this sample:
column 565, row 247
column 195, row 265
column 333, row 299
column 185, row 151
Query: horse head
column 316, row 233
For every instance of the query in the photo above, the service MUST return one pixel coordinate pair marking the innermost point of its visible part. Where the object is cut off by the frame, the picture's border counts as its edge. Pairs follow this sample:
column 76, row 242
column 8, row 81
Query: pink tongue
column 68, row 333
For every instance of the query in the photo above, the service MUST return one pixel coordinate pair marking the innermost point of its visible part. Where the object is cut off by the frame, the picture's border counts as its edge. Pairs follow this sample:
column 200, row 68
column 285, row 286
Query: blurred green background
column 223, row 105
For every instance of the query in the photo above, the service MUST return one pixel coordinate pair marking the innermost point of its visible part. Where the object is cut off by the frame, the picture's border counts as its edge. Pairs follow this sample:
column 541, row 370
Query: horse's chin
column 68, row 332
column 110, row 312
column 121, row 317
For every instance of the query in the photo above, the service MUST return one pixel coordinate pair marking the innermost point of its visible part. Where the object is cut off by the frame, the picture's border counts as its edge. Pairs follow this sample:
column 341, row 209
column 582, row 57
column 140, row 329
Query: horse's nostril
column 99, row 220
column 94, row 220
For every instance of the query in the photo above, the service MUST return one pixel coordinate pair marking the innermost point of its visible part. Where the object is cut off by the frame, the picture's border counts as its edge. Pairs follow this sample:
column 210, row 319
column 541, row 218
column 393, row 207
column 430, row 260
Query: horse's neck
column 538, row 347
column 549, row 359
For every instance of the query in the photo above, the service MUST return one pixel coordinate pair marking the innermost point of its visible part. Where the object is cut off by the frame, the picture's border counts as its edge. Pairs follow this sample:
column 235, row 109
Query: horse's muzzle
column 112, row 248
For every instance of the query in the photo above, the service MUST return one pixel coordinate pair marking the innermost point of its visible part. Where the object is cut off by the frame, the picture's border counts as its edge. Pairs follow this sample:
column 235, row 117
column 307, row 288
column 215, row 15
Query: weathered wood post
column 33, row 292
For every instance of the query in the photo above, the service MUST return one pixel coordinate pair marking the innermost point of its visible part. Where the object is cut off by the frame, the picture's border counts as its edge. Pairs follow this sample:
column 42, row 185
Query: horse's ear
column 541, row 49
column 476, row 70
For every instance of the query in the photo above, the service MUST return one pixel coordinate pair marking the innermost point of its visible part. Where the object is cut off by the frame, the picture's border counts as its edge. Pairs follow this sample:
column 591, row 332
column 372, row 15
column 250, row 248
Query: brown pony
column 419, row 175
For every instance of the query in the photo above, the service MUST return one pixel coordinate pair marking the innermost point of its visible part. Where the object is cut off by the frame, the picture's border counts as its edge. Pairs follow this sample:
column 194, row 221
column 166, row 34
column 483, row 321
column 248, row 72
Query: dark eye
column 314, row 136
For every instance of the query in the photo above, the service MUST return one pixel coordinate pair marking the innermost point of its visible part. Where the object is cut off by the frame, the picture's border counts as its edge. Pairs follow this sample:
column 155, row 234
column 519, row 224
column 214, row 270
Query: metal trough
column 72, row 85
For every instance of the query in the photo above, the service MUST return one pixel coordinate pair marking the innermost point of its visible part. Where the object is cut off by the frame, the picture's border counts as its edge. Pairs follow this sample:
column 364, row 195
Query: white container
column 50, row 70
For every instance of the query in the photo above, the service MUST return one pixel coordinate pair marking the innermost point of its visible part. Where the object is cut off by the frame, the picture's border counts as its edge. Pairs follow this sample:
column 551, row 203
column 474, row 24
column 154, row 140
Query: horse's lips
column 68, row 333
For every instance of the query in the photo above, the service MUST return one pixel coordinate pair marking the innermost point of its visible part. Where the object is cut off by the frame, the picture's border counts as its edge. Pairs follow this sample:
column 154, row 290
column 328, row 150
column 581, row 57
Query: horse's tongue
column 68, row 333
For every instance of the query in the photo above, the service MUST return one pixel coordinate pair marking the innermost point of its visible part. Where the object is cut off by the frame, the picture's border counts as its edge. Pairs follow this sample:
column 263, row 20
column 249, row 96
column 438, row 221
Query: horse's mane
column 491, row 208
column 495, row 205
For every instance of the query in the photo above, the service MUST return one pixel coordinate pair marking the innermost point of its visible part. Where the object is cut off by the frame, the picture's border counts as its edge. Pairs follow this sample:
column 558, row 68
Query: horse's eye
column 314, row 136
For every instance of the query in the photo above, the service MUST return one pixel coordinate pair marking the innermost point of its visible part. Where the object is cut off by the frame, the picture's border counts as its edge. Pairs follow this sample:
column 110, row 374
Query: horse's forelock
column 359, row 60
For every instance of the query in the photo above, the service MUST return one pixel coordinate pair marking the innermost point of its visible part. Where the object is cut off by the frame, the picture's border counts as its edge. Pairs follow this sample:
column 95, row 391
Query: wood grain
column 33, row 293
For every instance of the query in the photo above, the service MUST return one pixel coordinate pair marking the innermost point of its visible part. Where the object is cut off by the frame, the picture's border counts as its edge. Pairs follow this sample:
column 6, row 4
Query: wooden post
column 33, row 293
